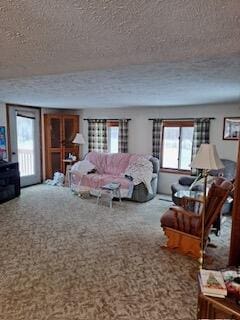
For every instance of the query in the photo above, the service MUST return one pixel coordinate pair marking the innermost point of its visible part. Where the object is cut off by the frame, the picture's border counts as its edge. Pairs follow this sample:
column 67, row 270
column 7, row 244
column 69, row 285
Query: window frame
column 179, row 124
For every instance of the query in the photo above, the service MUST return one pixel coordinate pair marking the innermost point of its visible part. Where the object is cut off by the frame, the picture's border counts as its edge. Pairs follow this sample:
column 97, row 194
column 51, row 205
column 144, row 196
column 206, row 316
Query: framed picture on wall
column 231, row 128
column 3, row 144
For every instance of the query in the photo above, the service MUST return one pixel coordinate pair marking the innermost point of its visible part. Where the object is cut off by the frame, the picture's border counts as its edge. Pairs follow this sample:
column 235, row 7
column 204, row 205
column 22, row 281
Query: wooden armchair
column 183, row 227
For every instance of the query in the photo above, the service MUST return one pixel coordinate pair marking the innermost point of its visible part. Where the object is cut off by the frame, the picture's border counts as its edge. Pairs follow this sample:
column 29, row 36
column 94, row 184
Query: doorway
column 25, row 143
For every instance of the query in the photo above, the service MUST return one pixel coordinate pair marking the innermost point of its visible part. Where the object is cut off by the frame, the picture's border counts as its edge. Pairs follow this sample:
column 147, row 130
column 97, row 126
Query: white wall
column 3, row 119
column 140, row 129
column 3, row 115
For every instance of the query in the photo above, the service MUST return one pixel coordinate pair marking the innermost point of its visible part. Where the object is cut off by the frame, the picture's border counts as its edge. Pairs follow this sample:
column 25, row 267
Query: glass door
column 25, row 143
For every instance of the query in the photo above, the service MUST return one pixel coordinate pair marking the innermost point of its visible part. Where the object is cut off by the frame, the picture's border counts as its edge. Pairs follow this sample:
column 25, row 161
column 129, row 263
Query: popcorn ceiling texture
column 42, row 37
column 61, row 37
column 143, row 85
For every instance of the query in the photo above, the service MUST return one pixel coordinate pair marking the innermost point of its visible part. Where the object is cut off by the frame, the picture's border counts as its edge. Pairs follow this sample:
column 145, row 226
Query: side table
column 217, row 308
column 198, row 195
column 68, row 165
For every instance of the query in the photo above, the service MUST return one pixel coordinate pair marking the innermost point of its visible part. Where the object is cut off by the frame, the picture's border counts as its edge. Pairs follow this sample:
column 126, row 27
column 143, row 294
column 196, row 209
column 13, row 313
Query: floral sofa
column 106, row 168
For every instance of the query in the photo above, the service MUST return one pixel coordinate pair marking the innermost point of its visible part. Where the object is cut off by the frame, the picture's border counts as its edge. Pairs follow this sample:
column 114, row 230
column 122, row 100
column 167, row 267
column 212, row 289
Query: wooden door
column 60, row 130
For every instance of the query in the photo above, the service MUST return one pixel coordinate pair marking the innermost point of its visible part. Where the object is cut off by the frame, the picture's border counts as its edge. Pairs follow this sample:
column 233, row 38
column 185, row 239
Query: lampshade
column 78, row 139
column 207, row 158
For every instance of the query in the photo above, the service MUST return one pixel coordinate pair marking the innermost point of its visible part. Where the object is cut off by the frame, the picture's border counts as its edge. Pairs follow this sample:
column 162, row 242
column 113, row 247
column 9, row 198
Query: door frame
column 25, row 107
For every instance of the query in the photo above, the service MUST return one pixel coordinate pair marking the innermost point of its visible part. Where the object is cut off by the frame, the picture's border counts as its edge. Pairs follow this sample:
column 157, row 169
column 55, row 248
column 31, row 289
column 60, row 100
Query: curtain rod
column 180, row 118
column 108, row 119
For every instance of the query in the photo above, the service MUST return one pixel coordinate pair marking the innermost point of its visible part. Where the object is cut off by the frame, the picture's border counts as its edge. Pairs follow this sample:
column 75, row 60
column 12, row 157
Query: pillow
column 83, row 167
column 199, row 182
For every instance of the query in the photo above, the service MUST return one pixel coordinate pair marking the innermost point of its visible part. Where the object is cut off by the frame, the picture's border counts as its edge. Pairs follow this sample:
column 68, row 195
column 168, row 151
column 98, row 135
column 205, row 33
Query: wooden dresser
column 9, row 181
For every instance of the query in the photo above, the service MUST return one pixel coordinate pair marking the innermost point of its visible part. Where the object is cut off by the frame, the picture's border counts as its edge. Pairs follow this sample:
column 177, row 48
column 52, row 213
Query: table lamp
column 79, row 139
column 206, row 159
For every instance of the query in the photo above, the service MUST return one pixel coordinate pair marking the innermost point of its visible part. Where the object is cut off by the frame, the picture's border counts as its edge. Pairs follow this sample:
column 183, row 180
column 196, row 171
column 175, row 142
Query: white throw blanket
column 83, row 167
column 58, row 179
column 141, row 171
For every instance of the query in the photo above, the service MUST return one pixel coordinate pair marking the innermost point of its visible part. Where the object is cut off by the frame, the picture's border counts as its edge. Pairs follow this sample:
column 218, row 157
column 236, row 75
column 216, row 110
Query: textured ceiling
column 114, row 53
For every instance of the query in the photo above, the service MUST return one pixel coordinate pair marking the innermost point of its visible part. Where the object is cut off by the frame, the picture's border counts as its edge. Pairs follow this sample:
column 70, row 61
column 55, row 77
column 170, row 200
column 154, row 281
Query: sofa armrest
column 155, row 163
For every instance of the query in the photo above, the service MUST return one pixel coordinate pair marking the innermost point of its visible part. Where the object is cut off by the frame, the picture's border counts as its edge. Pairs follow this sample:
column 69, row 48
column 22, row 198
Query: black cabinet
column 9, row 181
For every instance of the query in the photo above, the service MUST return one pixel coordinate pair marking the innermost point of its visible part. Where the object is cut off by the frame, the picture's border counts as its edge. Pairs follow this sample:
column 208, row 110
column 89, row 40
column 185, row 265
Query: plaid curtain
column 156, row 137
column 97, row 135
column 123, row 136
column 200, row 135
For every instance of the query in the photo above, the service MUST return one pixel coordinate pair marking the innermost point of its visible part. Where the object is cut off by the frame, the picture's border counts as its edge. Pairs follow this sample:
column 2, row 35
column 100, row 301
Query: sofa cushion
column 111, row 163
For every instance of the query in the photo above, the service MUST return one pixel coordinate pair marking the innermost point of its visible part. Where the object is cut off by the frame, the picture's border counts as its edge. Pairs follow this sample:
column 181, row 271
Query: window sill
column 175, row 171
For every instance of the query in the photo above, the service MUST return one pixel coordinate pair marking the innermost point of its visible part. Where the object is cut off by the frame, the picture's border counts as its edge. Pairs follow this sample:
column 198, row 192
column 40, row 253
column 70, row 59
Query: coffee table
column 110, row 191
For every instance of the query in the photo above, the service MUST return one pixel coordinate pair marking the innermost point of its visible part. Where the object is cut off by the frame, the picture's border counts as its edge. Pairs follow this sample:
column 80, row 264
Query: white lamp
column 206, row 159
column 78, row 139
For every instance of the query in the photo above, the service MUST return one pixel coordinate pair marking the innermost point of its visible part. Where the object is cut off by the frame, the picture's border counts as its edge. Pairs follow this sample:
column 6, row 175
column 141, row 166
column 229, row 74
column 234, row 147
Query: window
column 177, row 144
column 112, row 136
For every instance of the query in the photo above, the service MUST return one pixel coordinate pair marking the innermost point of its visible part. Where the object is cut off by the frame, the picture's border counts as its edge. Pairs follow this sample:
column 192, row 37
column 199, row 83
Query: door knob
column 13, row 153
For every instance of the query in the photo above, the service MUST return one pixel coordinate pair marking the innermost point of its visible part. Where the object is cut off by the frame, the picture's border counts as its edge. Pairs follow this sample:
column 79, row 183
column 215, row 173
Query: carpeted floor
column 65, row 258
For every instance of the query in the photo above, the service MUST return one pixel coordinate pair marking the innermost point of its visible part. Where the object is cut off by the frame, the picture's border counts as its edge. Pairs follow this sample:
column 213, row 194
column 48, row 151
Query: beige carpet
column 66, row 258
